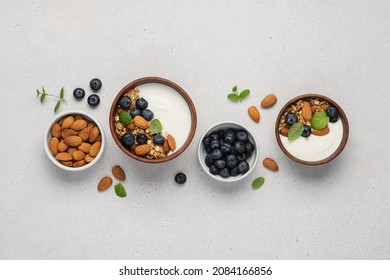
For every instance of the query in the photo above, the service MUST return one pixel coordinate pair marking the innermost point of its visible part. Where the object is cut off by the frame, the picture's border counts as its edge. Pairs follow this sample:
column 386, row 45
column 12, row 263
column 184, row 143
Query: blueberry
column 249, row 147
column 158, row 139
column 214, row 136
column 332, row 112
column 142, row 139
column 239, row 147
column 127, row 139
column 306, row 131
column 213, row 170
column 206, row 141
column 141, row 103
column 220, row 163
column 214, row 144
column 231, row 161
column 208, row 149
column 135, row 112
column 93, row 100
column 243, row 166
column 224, row 173
column 216, row 154
column 235, row 171
column 242, row 157
column 147, row 114
column 125, row 102
column 242, row 135
column 208, row 160
column 180, row 178
column 229, row 137
column 291, row 118
column 334, row 119
column 79, row 93
column 221, row 133
column 226, row 147
column 95, row 84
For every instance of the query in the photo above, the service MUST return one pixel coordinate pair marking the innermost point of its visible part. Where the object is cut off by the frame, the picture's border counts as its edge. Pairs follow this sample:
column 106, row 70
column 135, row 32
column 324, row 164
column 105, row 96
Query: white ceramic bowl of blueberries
column 228, row 151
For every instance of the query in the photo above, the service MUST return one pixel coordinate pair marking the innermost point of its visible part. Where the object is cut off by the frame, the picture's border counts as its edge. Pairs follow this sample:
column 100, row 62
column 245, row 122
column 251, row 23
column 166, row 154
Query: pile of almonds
column 75, row 141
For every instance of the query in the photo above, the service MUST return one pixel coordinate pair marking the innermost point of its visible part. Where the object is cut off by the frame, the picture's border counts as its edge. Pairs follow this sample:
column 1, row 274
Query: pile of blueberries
column 332, row 113
column 93, row 99
column 227, row 152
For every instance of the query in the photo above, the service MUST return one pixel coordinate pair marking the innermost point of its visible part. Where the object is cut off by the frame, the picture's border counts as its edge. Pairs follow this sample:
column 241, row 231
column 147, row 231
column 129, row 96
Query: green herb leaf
column 43, row 96
column 155, row 126
column 257, row 183
column 125, row 118
column 57, row 106
column 38, row 93
column 234, row 89
column 62, row 93
column 120, row 190
column 295, row 131
column 244, row 93
column 319, row 121
column 233, row 97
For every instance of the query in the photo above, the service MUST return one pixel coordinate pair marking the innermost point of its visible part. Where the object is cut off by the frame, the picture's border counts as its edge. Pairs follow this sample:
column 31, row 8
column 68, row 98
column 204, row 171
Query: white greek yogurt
column 170, row 108
column 315, row 148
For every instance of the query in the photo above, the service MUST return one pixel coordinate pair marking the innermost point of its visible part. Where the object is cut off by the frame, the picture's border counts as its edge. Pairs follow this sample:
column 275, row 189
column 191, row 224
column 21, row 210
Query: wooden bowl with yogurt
column 170, row 104
column 322, row 145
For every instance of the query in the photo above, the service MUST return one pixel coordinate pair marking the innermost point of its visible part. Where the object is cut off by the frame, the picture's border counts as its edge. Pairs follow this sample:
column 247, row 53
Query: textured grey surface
column 337, row 48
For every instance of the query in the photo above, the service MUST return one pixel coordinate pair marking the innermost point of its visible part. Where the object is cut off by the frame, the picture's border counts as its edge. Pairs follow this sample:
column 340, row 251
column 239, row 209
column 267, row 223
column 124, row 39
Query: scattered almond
column 142, row 150
column 64, row 156
column 171, row 142
column 320, row 132
column 254, row 113
column 95, row 148
column 53, row 146
column 73, row 141
column 140, row 122
column 78, row 124
column 118, row 172
column 268, row 101
column 306, row 111
column 284, row 131
column 104, row 183
column 56, row 130
column 67, row 122
column 270, row 164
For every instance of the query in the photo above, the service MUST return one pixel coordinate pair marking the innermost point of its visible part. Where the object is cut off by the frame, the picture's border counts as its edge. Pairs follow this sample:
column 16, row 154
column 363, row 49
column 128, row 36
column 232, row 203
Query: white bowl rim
column 229, row 179
column 47, row 137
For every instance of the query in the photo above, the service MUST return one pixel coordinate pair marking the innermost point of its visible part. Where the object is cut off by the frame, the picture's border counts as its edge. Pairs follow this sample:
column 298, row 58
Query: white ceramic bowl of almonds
column 74, row 140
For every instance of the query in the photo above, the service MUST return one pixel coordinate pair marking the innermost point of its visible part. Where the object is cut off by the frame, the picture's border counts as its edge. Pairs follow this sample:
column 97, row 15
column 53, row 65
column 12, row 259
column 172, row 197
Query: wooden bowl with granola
column 152, row 120
column 312, row 129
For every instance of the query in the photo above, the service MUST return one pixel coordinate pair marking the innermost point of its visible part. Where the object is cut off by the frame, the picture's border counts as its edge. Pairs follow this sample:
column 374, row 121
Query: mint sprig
column 125, row 118
column 42, row 96
column 319, row 121
column 235, row 96
column 295, row 131
column 155, row 126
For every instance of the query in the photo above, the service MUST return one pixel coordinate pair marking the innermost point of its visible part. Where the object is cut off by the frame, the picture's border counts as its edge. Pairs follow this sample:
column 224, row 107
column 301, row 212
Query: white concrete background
column 337, row 48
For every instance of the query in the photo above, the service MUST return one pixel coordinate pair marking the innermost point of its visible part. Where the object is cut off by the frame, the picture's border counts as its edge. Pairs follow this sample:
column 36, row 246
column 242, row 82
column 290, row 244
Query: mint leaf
column 244, row 93
column 38, row 93
column 295, row 131
column 234, row 89
column 57, row 106
column 62, row 93
column 233, row 97
column 155, row 126
column 120, row 190
column 125, row 118
column 43, row 96
column 319, row 121
column 257, row 183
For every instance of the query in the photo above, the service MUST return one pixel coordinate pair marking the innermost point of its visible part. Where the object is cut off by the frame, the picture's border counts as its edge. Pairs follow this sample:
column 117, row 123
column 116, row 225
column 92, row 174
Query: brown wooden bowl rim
column 166, row 82
column 343, row 119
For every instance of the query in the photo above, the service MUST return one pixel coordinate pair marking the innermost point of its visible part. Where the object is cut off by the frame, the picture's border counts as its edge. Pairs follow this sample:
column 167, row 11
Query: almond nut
column 142, row 150
column 104, row 183
column 64, row 156
column 53, row 145
column 171, row 142
column 166, row 146
column 84, row 147
column 254, row 113
column 56, row 130
column 78, row 124
column 270, row 164
column 88, row 158
column 93, row 134
column 71, row 150
column 73, row 141
column 68, row 132
column 140, row 122
column 321, row 132
column 67, row 163
column 306, row 111
column 67, row 122
column 62, row 147
column 268, row 101
column 284, row 131
column 95, row 148
column 313, row 110
column 84, row 133
column 79, row 163
column 98, row 139
column 78, row 155
column 130, row 126
column 118, row 172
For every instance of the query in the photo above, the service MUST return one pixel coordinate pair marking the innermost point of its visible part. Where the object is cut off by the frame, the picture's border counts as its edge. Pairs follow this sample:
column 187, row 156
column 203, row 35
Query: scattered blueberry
column 125, row 102
column 147, row 114
column 306, row 131
column 79, row 93
column 95, row 84
column 332, row 112
column 231, row 161
column 208, row 160
column 291, row 118
column 242, row 135
column 243, row 166
column 127, row 139
column 142, row 139
column 224, row 173
column 226, row 147
column 334, row 119
column 214, row 144
column 239, row 147
column 216, row 154
column 220, row 163
column 135, row 112
column 180, row 178
column 213, row 170
column 158, row 139
column 141, row 103
column 93, row 100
